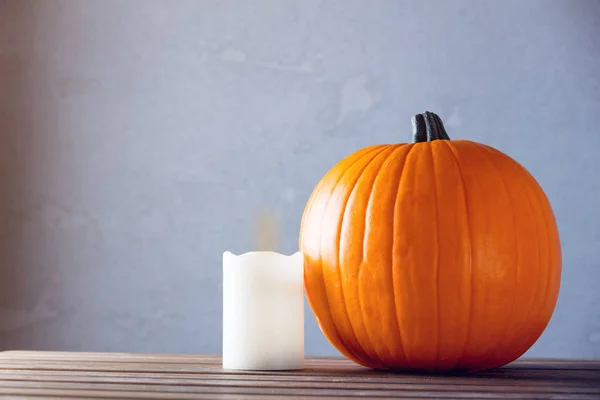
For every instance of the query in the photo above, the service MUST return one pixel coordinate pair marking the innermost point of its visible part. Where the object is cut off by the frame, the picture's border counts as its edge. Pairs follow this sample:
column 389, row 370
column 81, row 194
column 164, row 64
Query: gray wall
column 141, row 139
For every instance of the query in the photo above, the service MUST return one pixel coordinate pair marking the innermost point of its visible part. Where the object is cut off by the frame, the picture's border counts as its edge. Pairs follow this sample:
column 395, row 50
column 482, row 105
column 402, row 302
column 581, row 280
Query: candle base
column 271, row 365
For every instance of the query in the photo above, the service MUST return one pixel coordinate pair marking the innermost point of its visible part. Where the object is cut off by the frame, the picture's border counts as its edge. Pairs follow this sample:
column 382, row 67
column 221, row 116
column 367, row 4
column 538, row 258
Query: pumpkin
column 438, row 255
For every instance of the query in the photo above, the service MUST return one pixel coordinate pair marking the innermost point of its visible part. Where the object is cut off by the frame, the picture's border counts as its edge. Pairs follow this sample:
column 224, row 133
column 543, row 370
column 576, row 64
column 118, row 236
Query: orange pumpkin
column 434, row 256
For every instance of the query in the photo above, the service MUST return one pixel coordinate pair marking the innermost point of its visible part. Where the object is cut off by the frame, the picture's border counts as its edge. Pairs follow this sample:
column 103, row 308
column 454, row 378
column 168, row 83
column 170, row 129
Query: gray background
column 141, row 139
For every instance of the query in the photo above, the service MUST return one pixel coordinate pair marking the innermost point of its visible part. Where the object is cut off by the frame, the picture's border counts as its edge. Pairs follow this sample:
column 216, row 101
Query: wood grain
column 52, row 375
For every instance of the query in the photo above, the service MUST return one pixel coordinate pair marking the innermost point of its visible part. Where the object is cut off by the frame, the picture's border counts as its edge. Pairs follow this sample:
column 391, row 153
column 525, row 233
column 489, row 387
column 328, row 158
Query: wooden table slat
column 285, row 380
column 163, row 383
column 25, row 374
column 216, row 359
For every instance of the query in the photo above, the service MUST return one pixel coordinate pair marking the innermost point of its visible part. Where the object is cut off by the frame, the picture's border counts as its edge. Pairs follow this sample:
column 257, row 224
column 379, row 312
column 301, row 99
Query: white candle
column 263, row 311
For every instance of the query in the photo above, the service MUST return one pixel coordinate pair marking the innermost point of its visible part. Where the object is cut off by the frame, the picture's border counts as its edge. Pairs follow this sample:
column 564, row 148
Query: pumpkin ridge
column 546, row 286
column 437, row 257
column 401, row 342
column 390, row 156
column 543, row 204
column 538, row 265
column 546, row 206
column 548, row 274
column 470, row 291
column 340, row 341
column 513, row 355
column 320, row 184
column 363, row 357
column 362, row 261
column 393, row 269
column 338, row 266
column 507, row 323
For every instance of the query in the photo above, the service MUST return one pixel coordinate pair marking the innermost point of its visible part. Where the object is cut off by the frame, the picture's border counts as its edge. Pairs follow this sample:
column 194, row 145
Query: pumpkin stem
column 428, row 127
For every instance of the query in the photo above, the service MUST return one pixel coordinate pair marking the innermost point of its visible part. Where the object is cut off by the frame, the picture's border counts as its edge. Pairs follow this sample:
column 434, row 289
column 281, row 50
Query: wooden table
column 55, row 375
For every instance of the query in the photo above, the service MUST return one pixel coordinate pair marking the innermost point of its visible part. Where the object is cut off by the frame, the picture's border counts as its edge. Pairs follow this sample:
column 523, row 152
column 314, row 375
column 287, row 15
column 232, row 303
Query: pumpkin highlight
column 436, row 255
